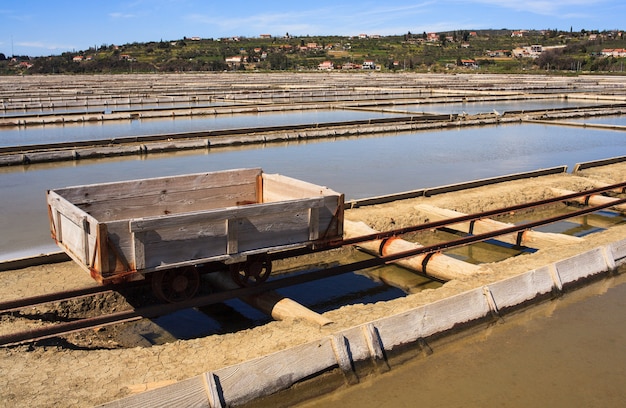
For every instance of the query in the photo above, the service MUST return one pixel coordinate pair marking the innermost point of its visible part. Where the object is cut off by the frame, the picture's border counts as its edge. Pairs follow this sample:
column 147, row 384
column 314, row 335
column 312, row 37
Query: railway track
column 60, row 329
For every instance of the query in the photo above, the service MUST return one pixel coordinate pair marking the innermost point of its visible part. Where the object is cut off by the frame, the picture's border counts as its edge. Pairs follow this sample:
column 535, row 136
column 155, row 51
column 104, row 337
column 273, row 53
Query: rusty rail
column 153, row 311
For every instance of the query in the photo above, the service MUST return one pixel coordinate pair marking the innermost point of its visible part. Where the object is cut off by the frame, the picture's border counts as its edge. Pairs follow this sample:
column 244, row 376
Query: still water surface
column 71, row 132
column 570, row 352
column 358, row 167
column 489, row 106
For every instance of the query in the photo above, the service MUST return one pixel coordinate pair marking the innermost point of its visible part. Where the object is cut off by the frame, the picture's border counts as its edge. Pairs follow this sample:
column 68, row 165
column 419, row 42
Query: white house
column 234, row 60
column 326, row 66
column 368, row 64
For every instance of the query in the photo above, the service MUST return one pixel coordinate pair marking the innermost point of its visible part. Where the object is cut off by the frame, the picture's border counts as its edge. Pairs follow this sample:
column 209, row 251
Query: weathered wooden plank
column 266, row 375
column 438, row 265
column 158, row 185
column 618, row 251
column 186, row 393
column 207, row 238
column 314, row 223
column 287, row 227
column 120, row 248
column 594, row 199
column 582, row 266
column 250, row 211
column 72, row 237
column 171, row 246
column 279, row 188
column 86, row 241
column 139, row 249
column 101, row 246
column 65, row 207
column 528, row 238
column 232, row 230
column 172, row 203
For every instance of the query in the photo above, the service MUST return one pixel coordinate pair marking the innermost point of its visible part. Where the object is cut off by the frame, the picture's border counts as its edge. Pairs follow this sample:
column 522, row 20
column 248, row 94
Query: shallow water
column 565, row 353
column 608, row 120
column 501, row 107
column 358, row 167
column 70, row 132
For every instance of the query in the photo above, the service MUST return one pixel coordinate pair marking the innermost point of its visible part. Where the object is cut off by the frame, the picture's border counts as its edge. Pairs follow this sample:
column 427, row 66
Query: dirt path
column 78, row 375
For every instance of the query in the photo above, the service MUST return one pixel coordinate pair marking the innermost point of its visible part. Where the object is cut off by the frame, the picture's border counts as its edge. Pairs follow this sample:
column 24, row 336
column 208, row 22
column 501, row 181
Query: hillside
column 494, row 51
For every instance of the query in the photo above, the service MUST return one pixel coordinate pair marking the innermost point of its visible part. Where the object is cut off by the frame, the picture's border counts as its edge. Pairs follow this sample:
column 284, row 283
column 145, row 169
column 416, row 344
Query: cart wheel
column 252, row 272
column 176, row 285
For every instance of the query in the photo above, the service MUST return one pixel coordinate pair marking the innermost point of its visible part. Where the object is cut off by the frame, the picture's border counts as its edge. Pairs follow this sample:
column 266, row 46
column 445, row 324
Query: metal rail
column 153, row 311
column 17, row 304
column 456, row 220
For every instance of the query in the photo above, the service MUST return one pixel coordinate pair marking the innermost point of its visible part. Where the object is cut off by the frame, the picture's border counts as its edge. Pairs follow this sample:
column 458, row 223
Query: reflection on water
column 358, row 167
column 473, row 108
column 605, row 120
column 116, row 129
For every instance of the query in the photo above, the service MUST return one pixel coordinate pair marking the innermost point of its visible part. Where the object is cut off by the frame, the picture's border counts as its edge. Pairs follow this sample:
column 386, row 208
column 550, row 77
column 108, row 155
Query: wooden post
column 529, row 238
column 594, row 199
column 270, row 302
column 439, row 266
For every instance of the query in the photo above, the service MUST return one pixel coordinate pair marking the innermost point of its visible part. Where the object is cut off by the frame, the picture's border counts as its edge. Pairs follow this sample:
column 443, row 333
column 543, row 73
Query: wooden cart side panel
column 330, row 217
column 175, row 246
column 173, row 203
column 93, row 193
column 74, row 230
column 161, row 241
column 173, row 220
column 119, row 249
column 280, row 188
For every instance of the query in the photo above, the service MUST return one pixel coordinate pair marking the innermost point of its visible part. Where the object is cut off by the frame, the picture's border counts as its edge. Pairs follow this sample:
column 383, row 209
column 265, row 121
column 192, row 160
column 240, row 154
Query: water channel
column 359, row 167
column 565, row 353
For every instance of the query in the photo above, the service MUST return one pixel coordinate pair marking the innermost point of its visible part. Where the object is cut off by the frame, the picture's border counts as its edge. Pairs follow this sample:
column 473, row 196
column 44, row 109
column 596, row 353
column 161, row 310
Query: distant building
column 469, row 63
column 498, row 53
column 326, row 66
column 614, row 52
column 350, row 65
column 234, row 60
column 533, row 51
column 368, row 64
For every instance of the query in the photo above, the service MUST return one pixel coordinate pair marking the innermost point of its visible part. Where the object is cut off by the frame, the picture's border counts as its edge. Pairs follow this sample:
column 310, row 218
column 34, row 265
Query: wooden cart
column 167, row 226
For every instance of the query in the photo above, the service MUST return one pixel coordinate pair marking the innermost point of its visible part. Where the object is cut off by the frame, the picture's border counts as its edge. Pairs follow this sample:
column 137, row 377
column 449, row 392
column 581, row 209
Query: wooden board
column 107, row 192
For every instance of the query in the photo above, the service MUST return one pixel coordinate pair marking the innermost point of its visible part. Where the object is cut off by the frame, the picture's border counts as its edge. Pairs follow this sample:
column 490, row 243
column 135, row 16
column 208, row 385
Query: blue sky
column 50, row 27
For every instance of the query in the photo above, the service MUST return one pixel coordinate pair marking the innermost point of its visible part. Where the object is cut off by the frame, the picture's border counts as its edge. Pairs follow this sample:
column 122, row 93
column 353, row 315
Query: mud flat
column 216, row 370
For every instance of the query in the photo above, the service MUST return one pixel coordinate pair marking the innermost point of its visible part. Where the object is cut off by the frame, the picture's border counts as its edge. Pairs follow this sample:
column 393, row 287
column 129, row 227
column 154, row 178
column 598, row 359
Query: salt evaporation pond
column 359, row 167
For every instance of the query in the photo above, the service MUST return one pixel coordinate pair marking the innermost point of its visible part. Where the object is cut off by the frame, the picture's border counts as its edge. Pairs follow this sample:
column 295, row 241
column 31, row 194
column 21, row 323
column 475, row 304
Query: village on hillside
column 493, row 51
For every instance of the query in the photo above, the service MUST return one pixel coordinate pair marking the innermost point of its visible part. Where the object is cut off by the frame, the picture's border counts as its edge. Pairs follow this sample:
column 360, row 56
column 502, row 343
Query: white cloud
column 44, row 45
column 341, row 20
column 121, row 15
column 555, row 8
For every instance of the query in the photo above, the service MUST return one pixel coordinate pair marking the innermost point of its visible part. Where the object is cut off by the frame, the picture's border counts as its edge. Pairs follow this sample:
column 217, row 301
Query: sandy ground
column 77, row 374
